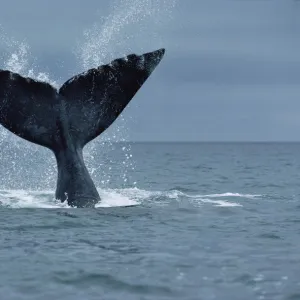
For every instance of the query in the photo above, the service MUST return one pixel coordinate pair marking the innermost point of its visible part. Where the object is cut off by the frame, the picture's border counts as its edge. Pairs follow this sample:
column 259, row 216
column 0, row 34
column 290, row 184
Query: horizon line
column 213, row 141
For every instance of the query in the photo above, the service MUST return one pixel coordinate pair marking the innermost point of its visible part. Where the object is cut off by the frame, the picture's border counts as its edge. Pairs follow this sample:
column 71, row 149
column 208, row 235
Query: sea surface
column 176, row 221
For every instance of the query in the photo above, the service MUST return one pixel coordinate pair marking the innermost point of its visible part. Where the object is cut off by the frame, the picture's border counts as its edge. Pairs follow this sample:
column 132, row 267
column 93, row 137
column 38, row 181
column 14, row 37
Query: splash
column 17, row 59
column 17, row 62
column 113, row 198
column 130, row 22
column 17, row 155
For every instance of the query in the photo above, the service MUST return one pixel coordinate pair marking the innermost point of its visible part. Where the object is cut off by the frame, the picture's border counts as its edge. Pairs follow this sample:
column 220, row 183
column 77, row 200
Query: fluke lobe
column 65, row 120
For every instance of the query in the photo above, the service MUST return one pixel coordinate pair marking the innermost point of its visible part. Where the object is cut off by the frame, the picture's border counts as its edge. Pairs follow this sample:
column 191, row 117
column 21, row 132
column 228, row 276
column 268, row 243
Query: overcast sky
column 231, row 71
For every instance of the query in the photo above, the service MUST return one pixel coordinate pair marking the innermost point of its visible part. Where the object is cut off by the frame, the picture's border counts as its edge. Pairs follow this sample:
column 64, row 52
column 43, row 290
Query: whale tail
column 65, row 120
column 84, row 106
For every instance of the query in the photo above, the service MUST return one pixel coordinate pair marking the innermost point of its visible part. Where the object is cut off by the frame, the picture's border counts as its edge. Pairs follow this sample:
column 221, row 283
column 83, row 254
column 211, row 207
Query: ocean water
column 177, row 221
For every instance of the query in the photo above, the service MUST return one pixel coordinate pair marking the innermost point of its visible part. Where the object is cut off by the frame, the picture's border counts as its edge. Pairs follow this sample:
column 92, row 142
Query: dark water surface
column 209, row 221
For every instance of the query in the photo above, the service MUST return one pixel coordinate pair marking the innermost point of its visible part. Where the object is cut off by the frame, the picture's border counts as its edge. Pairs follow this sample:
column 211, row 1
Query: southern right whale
column 65, row 120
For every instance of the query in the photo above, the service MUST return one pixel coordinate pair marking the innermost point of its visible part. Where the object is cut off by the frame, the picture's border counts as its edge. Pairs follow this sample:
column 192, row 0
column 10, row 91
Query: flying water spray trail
column 17, row 58
column 131, row 22
column 19, row 157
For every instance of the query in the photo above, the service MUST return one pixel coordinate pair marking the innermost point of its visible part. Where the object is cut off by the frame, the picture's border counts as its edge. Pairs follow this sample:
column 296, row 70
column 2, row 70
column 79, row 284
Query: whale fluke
column 65, row 120
column 97, row 97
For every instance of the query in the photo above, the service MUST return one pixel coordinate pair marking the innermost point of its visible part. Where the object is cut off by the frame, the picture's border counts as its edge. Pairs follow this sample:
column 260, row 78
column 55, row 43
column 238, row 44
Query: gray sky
column 231, row 70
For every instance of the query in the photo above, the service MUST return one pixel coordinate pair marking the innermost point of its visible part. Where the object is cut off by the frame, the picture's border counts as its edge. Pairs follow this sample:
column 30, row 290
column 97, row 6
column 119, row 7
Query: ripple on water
column 83, row 280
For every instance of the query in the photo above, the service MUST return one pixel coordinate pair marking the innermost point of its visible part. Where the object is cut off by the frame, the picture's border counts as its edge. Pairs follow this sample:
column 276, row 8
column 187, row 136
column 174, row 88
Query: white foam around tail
column 117, row 198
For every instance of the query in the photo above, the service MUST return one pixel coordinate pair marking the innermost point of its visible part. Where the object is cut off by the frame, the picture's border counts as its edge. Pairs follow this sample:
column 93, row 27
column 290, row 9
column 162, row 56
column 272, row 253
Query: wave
column 117, row 198
column 249, row 196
